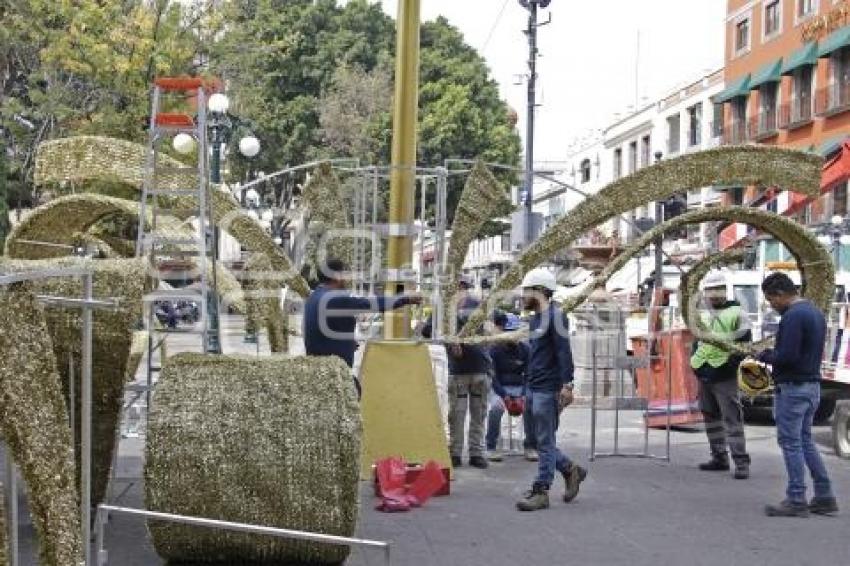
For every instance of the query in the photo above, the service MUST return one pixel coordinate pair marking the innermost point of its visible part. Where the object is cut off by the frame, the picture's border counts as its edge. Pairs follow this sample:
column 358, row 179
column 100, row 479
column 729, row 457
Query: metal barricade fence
column 618, row 382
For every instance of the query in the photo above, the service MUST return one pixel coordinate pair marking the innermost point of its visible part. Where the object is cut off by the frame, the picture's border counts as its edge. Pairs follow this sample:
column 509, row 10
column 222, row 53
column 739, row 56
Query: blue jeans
column 494, row 418
column 543, row 407
column 794, row 406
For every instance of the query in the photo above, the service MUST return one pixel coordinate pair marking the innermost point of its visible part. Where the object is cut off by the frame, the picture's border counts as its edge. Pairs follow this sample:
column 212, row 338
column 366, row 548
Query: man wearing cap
column 468, row 387
column 717, row 372
column 550, row 389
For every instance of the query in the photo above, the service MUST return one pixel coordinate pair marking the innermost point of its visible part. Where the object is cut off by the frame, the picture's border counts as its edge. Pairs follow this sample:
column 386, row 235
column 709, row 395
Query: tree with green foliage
column 292, row 65
column 85, row 67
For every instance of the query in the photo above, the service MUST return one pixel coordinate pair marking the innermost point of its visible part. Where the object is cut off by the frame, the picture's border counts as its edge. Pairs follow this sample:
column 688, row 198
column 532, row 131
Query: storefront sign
column 821, row 26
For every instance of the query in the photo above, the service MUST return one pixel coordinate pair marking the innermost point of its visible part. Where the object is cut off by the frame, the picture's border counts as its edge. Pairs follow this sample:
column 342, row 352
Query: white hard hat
column 540, row 277
column 714, row 280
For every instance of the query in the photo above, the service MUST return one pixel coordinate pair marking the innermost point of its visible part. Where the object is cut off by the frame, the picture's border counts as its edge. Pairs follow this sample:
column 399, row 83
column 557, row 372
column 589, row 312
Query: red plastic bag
column 429, row 482
column 390, row 474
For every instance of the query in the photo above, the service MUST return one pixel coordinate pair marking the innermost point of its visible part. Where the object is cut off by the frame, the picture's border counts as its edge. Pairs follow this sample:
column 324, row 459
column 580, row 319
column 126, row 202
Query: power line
column 493, row 28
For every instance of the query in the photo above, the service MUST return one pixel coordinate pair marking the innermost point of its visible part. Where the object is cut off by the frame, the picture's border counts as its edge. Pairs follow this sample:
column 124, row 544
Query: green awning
column 740, row 87
column 806, row 55
column 835, row 41
column 769, row 73
column 831, row 145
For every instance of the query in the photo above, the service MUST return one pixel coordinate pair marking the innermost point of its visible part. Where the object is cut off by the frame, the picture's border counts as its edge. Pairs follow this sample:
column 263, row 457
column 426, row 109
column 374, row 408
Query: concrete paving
column 630, row 512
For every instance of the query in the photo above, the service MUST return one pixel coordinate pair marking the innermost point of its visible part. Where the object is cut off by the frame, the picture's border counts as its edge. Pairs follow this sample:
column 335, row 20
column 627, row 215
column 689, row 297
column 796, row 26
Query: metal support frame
column 87, row 304
column 620, row 400
column 104, row 510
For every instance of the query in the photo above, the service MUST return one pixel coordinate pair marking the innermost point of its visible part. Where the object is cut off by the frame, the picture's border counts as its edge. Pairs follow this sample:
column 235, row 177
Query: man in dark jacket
column 796, row 362
column 550, row 389
column 330, row 314
column 510, row 362
column 717, row 371
column 468, row 387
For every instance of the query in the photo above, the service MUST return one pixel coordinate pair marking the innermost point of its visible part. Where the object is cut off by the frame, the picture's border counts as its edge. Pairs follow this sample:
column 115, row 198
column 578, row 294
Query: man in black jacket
column 796, row 362
column 469, row 384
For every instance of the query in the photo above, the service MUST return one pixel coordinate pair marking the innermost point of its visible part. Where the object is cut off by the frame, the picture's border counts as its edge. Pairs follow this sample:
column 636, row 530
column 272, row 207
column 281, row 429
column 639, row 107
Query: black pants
column 720, row 403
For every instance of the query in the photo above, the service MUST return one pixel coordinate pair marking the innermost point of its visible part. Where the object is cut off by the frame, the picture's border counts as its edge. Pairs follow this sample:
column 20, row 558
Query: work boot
column 456, row 462
column 572, row 481
column 787, row 509
column 531, row 455
column 742, row 467
column 478, row 462
column 823, row 505
column 534, row 500
column 495, row 455
column 718, row 463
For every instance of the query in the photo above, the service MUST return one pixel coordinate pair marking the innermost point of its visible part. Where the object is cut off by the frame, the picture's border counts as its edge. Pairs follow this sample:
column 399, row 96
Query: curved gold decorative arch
column 97, row 158
column 746, row 165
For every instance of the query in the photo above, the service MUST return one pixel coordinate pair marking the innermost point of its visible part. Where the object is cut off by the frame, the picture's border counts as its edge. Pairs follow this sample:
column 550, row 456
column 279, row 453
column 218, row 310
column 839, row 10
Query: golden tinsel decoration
column 690, row 282
column 262, row 289
column 34, row 424
column 268, row 441
column 745, row 165
column 97, row 158
column 125, row 280
column 482, row 196
column 325, row 211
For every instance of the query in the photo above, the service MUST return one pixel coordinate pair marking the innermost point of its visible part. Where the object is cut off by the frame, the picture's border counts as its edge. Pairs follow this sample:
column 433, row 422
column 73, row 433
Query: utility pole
column 531, row 33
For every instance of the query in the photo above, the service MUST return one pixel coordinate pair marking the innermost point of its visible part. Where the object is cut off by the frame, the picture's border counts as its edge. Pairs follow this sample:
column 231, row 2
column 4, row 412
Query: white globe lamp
column 218, row 103
column 183, row 144
column 249, row 146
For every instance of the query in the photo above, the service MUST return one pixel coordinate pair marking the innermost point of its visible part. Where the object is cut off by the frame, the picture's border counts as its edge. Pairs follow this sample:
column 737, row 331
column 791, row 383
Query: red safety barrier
column 401, row 486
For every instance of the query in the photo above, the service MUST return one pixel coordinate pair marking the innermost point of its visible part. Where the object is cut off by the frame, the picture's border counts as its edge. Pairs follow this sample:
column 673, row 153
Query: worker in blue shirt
column 508, row 386
column 330, row 314
column 550, row 388
column 796, row 363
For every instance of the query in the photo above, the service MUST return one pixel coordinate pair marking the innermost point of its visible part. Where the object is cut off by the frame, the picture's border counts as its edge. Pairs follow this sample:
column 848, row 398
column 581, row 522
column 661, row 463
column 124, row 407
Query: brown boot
column 534, row 500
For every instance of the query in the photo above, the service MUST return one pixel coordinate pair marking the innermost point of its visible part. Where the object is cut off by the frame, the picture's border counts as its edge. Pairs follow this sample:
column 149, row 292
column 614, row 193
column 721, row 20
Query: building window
column 618, row 163
column 739, row 119
column 767, row 108
column 772, row 19
column 673, row 134
column 645, row 145
column 801, row 94
column 717, row 121
column 742, row 36
column 839, row 200
column 633, row 157
column 839, row 90
column 805, row 9
column 585, row 171
column 695, row 125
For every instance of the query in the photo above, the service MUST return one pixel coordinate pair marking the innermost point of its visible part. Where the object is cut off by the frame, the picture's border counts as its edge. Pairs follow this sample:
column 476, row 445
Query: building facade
column 788, row 84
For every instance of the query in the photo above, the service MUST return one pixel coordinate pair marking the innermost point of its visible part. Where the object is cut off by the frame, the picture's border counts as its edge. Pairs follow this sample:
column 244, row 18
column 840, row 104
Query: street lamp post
column 220, row 128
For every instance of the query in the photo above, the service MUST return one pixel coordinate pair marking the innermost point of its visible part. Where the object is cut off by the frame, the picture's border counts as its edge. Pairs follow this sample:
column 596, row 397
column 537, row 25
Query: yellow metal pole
column 403, row 175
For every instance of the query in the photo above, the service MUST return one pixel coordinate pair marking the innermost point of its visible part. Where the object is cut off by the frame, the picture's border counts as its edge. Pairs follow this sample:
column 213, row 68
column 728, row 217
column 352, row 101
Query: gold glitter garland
column 262, row 290
column 124, row 279
column 325, row 211
column 271, row 441
column 690, row 282
column 745, row 165
column 482, row 196
column 34, row 424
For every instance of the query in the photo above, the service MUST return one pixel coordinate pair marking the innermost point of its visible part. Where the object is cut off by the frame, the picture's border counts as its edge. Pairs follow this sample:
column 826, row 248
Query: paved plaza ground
column 631, row 512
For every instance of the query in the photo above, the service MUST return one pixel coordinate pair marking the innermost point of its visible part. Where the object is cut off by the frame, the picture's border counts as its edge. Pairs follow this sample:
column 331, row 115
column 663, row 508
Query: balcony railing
column 832, row 99
column 735, row 133
column 763, row 125
column 795, row 114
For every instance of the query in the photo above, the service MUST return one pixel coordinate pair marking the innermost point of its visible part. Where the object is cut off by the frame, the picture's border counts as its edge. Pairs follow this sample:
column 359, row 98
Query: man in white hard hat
column 717, row 372
column 550, row 389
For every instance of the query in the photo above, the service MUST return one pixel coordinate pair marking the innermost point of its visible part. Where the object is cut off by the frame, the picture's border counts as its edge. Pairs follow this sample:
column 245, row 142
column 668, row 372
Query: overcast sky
column 587, row 69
